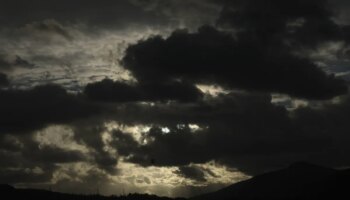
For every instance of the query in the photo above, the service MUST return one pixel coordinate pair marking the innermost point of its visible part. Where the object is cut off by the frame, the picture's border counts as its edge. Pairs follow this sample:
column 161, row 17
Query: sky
column 170, row 97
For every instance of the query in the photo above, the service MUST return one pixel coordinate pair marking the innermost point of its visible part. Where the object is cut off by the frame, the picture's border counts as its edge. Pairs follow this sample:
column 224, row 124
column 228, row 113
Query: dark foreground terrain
column 299, row 181
column 8, row 193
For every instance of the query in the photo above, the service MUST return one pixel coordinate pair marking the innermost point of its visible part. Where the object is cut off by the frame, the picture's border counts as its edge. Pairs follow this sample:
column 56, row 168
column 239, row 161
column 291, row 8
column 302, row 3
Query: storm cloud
column 238, row 131
column 211, row 56
column 25, row 110
column 110, row 91
column 170, row 97
column 3, row 80
column 192, row 172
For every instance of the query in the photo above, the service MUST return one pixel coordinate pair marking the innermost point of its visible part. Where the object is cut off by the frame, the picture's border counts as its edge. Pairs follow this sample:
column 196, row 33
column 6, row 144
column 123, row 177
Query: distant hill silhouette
column 8, row 192
column 300, row 181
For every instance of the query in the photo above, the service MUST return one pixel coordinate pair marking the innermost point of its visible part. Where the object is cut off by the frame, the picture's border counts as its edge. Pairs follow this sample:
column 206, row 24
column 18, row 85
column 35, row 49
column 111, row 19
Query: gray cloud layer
column 49, row 135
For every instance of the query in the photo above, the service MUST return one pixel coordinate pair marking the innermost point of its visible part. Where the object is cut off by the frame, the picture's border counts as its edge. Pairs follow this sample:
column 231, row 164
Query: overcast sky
column 170, row 97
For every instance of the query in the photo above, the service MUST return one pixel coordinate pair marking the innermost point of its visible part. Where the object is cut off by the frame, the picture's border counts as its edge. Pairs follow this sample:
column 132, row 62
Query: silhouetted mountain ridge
column 299, row 181
column 9, row 192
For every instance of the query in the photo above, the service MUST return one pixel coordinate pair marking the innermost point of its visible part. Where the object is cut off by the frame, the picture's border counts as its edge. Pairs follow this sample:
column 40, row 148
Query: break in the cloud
column 169, row 97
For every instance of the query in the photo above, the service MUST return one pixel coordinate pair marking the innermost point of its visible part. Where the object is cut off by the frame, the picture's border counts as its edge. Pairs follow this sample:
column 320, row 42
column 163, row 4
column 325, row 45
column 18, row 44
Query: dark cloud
column 240, row 130
column 211, row 56
column 305, row 23
column 26, row 110
column 243, row 131
column 341, row 9
column 27, row 162
column 90, row 183
column 10, row 143
column 52, row 155
column 110, row 91
column 238, row 126
column 20, row 62
column 4, row 64
column 190, row 13
column 88, row 132
column 109, row 14
column 48, row 27
column 125, row 143
column 23, row 176
column 4, row 80
column 10, row 62
column 192, row 172
column 256, row 46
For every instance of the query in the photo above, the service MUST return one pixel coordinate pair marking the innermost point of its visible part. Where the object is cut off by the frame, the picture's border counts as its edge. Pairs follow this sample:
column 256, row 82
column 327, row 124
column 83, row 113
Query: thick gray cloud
column 3, row 80
column 23, row 161
column 341, row 8
column 238, row 126
column 305, row 23
column 244, row 131
column 109, row 12
column 26, row 110
column 110, row 91
column 22, row 176
column 48, row 27
column 51, row 136
column 10, row 62
column 211, row 56
column 260, row 52
column 194, row 173
column 88, row 132
column 106, row 13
